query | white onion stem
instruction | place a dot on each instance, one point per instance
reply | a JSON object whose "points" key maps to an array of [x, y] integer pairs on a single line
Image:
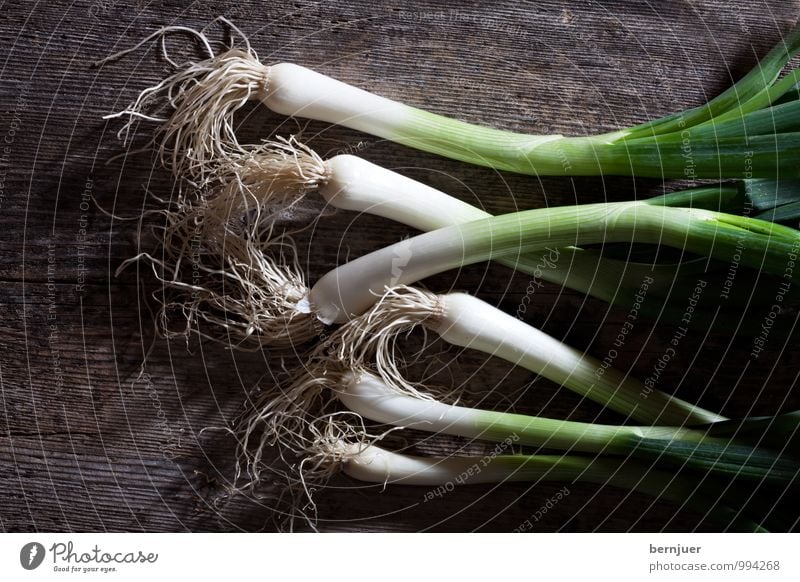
{"points": [[374, 464], [297, 91], [360, 186], [471, 323]]}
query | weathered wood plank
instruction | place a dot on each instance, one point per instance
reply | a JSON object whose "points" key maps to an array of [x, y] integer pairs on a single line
{"points": [[89, 444]]}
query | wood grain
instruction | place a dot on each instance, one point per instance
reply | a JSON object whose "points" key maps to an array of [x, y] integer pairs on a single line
{"points": [[89, 444]]}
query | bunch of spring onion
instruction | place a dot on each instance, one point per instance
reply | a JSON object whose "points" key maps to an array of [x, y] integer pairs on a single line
{"points": [[251, 295], [230, 237], [356, 368], [750, 130], [464, 321], [747, 131]]}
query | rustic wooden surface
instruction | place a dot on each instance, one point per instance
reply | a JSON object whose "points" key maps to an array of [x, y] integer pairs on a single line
{"points": [[86, 446]]}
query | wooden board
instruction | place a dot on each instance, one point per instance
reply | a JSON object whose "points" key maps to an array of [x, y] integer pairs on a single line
{"points": [[87, 444]]}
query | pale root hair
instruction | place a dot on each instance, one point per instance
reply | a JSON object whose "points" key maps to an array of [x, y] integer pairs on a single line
{"points": [[196, 105], [288, 416]]}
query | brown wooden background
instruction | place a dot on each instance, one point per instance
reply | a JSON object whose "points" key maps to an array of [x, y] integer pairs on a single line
{"points": [[99, 451]]}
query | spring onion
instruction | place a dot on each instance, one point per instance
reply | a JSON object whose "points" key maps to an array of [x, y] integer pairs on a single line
{"points": [[353, 287], [374, 464], [747, 131]]}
